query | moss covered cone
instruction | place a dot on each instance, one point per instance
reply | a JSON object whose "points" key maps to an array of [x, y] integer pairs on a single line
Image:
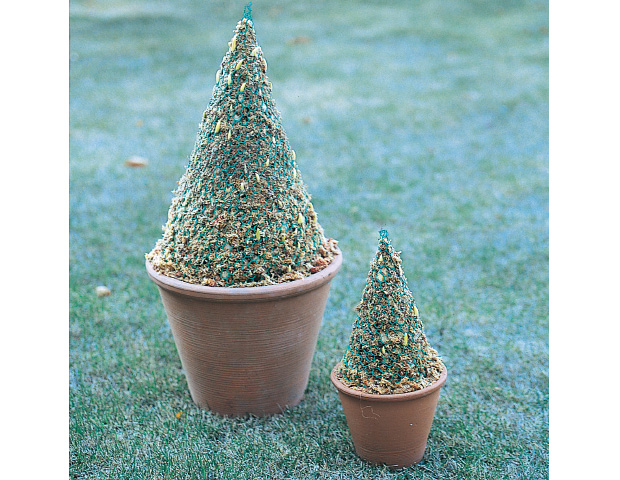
{"points": [[241, 215], [388, 351]]}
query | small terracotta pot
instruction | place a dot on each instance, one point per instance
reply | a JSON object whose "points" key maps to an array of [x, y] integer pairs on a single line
{"points": [[246, 350], [390, 429]]}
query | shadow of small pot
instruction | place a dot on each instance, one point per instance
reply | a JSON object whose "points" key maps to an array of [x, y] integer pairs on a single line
{"points": [[390, 429], [246, 350]]}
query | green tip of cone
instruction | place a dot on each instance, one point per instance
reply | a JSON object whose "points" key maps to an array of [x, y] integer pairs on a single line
{"points": [[247, 11]]}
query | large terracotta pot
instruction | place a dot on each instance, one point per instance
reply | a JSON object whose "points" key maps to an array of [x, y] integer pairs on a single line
{"points": [[390, 429], [246, 350]]}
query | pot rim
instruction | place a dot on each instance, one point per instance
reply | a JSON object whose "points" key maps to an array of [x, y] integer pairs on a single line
{"points": [[245, 294], [392, 397]]}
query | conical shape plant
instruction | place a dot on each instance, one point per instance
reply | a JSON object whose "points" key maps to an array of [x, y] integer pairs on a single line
{"points": [[388, 351], [241, 215]]}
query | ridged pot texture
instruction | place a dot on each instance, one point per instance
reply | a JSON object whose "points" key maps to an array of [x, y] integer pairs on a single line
{"points": [[246, 350], [390, 429]]}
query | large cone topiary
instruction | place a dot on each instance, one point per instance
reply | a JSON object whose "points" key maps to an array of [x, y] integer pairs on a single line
{"points": [[241, 215], [388, 351]]}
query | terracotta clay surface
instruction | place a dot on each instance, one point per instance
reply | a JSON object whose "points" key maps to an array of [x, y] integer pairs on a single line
{"points": [[246, 350], [390, 429]]}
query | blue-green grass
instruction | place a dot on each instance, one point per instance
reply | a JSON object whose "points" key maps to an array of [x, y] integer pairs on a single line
{"points": [[427, 118]]}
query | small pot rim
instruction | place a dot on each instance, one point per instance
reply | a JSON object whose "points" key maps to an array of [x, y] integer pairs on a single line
{"points": [[245, 294], [392, 397]]}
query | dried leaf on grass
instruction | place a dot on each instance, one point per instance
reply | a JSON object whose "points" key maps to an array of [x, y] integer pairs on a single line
{"points": [[136, 161], [298, 40], [102, 291]]}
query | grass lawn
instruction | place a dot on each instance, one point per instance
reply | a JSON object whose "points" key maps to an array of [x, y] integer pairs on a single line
{"points": [[427, 118]]}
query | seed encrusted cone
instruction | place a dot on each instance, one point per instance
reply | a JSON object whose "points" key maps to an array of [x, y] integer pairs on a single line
{"points": [[241, 215], [388, 351]]}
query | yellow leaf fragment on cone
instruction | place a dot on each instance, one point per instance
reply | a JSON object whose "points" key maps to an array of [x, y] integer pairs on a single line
{"points": [[218, 125], [233, 43], [229, 80], [242, 87], [103, 291], [136, 161], [257, 234], [255, 52], [415, 311], [300, 218], [294, 155], [217, 76], [238, 66], [406, 339]]}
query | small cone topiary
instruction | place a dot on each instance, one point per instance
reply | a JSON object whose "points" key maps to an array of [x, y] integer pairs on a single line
{"points": [[241, 215], [388, 351]]}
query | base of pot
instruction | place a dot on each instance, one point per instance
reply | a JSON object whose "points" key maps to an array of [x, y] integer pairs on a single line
{"points": [[390, 429]]}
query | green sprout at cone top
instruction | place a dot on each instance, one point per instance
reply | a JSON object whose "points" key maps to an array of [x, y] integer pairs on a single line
{"points": [[388, 351], [241, 215], [247, 11]]}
